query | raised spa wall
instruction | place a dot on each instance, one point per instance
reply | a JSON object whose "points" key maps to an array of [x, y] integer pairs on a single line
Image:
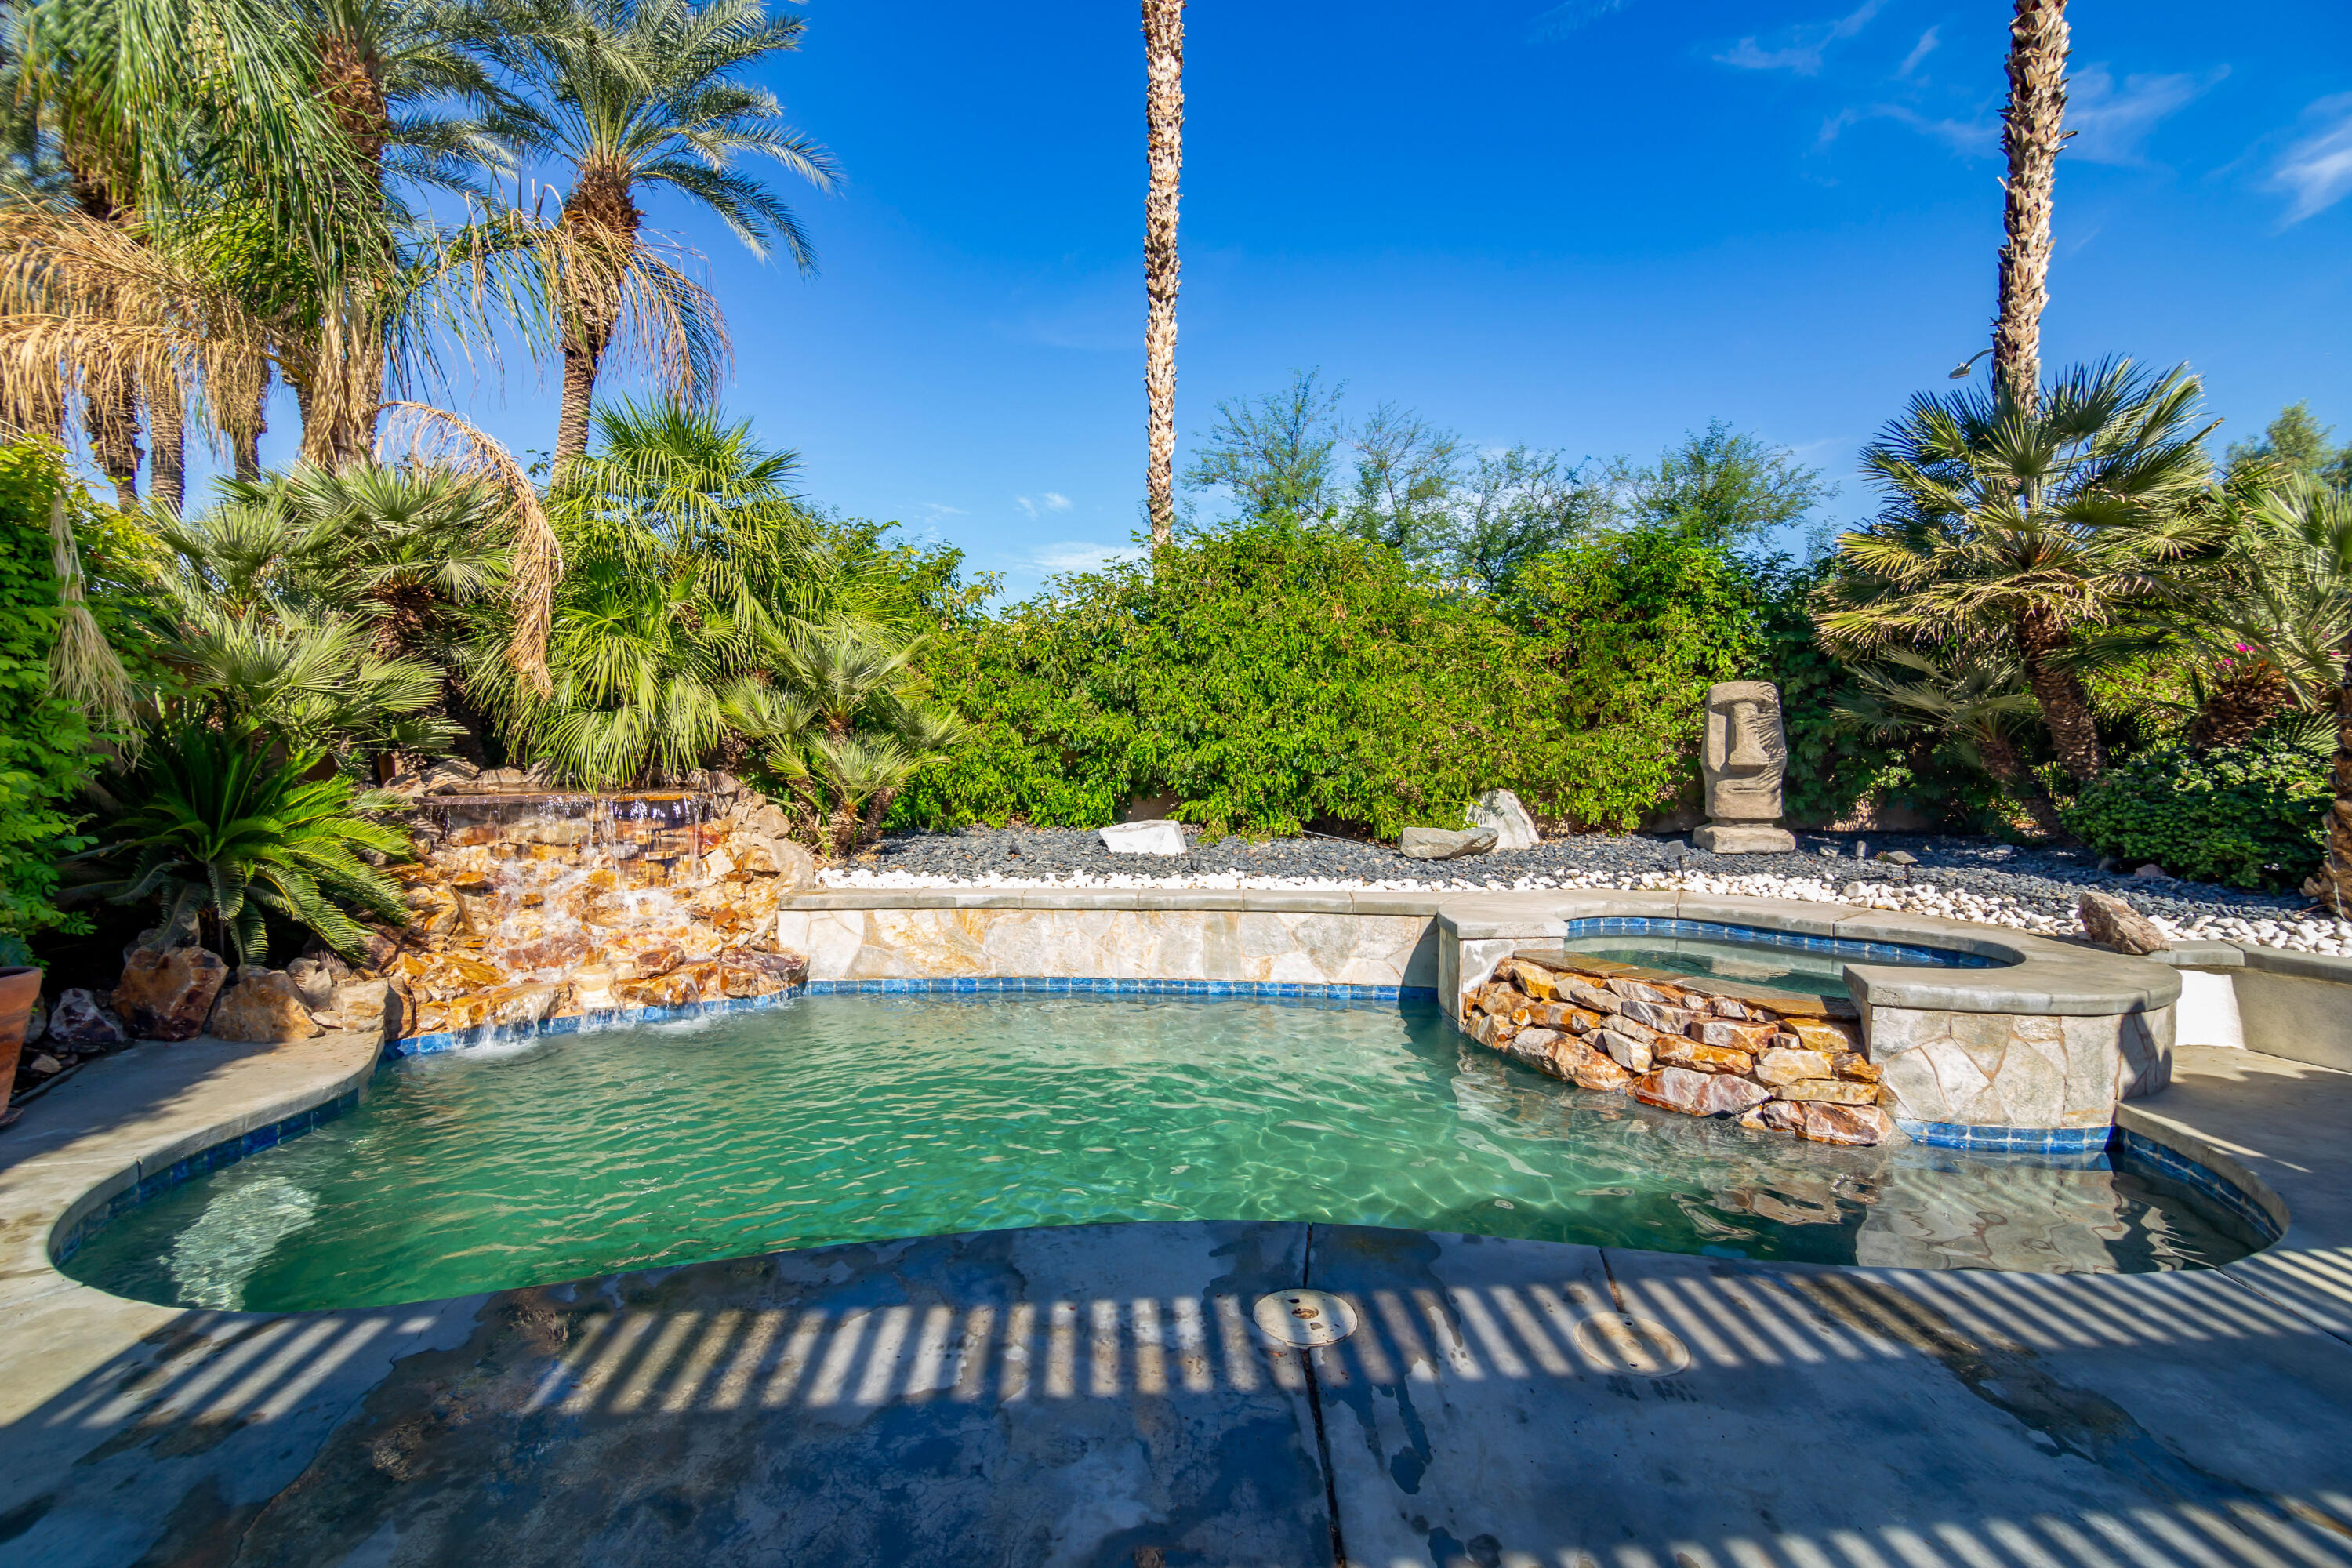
{"points": [[2032, 1054]]}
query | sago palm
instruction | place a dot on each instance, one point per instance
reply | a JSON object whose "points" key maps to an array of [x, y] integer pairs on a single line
{"points": [[221, 830], [2033, 522], [633, 96]]}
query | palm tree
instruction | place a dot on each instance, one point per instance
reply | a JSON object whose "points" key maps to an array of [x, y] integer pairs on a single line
{"points": [[2282, 605], [690, 567], [1163, 114], [632, 95], [2030, 137], [1972, 702], [2033, 522], [221, 830]]}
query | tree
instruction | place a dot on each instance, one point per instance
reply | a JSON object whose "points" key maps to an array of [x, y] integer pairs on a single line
{"points": [[1972, 702], [1723, 487], [2284, 604], [1164, 117], [2031, 137], [1273, 454], [1405, 473], [2032, 520], [2295, 444], [635, 95], [1512, 507]]}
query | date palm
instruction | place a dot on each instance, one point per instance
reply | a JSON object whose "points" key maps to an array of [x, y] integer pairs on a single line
{"points": [[1163, 114], [631, 96], [2031, 137], [2034, 522]]}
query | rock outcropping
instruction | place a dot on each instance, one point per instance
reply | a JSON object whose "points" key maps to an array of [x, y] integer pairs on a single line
{"points": [[1788, 1063]]}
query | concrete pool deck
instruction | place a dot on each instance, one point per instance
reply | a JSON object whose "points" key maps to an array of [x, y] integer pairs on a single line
{"points": [[1095, 1395]]}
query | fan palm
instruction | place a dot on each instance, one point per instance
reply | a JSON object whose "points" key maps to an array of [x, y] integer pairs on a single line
{"points": [[635, 95], [1974, 702], [222, 830], [854, 731], [691, 569], [2032, 520], [2282, 603]]}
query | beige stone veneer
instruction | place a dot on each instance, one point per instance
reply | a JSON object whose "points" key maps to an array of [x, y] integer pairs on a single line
{"points": [[2053, 1038]]}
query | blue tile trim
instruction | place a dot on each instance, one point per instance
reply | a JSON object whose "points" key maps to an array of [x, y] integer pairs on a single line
{"points": [[228, 1152], [2136, 1151], [2008, 1140], [1846, 948], [2127, 1149]]}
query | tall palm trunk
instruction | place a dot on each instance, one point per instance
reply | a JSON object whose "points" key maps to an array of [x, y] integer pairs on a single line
{"points": [[602, 210], [1163, 53], [2005, 766], [167, 473], [2030, 136], [109, 399], [2239, 704], [346, 386], [2065, 706]]}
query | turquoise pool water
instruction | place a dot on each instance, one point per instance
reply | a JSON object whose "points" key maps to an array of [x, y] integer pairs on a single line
{"points": [[852, 1118]]}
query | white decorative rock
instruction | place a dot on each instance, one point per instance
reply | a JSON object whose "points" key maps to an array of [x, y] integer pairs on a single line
{"points": [[1159, 838], [1500, 809]]}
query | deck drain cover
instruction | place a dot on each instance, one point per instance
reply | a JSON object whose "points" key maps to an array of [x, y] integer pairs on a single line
{"points": [[1618, 1344], [1304, 1318]]}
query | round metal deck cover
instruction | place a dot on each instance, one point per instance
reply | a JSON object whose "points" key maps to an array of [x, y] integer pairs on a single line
{"points": [[1619, 1343], [1304, 1318]]}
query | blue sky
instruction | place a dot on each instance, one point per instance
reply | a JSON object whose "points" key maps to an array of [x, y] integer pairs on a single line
{"points": [[1591, 226]]}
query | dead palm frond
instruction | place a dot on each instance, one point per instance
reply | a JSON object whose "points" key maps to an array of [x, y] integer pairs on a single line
{"points": [[439, 437]]}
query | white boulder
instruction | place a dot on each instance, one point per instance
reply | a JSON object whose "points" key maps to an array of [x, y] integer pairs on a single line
{"points": [[1500, 810], [1158, 838]]}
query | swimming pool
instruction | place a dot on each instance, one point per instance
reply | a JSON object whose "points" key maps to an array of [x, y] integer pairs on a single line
{"points": [[859, 1116]]}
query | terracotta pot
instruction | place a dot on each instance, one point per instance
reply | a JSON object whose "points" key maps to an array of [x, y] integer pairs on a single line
{"points": [[19, 989]]}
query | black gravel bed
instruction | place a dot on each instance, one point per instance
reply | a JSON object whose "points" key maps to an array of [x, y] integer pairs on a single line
{"points": [[2047, 879]]}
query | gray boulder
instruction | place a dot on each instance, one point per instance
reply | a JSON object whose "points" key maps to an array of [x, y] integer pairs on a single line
{"points": [[1440, 844]]}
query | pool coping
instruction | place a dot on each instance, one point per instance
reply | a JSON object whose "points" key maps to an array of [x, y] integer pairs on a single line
{"points": [[2036, 974]]}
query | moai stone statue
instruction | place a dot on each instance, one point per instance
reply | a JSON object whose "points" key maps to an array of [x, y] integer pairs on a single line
{"points": [[1746, 753]]}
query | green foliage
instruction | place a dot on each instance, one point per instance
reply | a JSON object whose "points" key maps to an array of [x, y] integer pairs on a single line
{"points": [[220, 827], [2293, 445], [2252, 815], [1723, 487], [1272, 675], [45, 741]]}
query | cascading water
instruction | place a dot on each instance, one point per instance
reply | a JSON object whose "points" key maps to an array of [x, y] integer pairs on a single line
{"points": [[529, 905]]}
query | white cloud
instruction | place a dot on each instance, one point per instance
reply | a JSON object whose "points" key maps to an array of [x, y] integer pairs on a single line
{"points": [[2316, 172], [1055, 502], [1802, 47], [1920, 51], [1044, 501], [1969, 138], [1561, 20], [2111, 123], [1080, 556]]}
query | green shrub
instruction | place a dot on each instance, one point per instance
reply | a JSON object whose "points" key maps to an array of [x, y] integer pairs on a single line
{"points": [[45, 742], [1269, 675], [2252, 815]]}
